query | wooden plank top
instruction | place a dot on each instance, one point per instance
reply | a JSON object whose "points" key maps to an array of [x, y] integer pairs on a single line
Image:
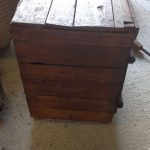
{"points": [[61, 13], [122, 14], [94, 13], [111, 15], [32, 11]]}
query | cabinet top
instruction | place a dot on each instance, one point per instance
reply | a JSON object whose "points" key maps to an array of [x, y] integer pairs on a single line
{"points": [[99, 15]]}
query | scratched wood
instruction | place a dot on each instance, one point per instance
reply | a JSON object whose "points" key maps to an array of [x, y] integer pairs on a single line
{"points": [[94, 13], [32, 11], [72, 89], [54, 102], [68, 73], [73, 66], [52, 36], [122, 14], [134, 18], [61, 13], [41, 112], [72, 54]]}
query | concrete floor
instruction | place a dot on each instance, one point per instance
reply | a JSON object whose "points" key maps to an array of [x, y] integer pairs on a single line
{"points": [[130, 129]]}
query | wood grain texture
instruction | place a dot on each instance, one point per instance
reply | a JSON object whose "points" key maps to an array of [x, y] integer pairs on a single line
{"points": [[94, 13], [61, 13], [32, 12], [133, 16], [71, 115], [105, 76], [50, 36], [65, 103], [122, 14], [104, 15], [72, 54], [71, 89]]}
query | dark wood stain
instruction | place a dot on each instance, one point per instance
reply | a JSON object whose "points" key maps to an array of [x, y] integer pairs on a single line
{"points": [[73, 56]]}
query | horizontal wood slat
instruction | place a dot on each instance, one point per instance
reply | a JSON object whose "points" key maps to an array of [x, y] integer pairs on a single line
{"points": [[52, 102], [50, 36], [72, 115], [64, 73], [71, 89], [72, 54]]}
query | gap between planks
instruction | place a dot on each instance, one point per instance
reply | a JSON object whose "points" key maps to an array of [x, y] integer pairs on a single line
{"points": [[75, 12]]}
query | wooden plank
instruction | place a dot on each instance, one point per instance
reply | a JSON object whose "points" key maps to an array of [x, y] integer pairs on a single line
{"points": [[122, 14], [71, 115], [94, 13], [70, 89], [64, 103], [61, 13], [32, 12], [64, 73], [72, 54], [68, 36], [134, 17]]}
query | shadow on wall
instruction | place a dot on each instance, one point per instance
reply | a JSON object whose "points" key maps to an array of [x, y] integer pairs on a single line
{"points": [[71, 135]]}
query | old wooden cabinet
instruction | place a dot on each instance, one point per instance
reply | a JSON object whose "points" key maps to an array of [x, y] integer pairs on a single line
{"points": [[73, 56]]}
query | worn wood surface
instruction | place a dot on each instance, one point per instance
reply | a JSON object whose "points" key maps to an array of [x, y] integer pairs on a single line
{"points": [[72, 89], [107, 15], [32, 11], [104, 76], [122, 14], [134, 18], [52, 36], [72, 54], [70, 114], [94, 13], [65, 103], [62, 13]]}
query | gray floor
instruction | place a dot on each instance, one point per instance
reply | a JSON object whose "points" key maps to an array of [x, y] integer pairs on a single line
{"points": [[130, 129]]}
